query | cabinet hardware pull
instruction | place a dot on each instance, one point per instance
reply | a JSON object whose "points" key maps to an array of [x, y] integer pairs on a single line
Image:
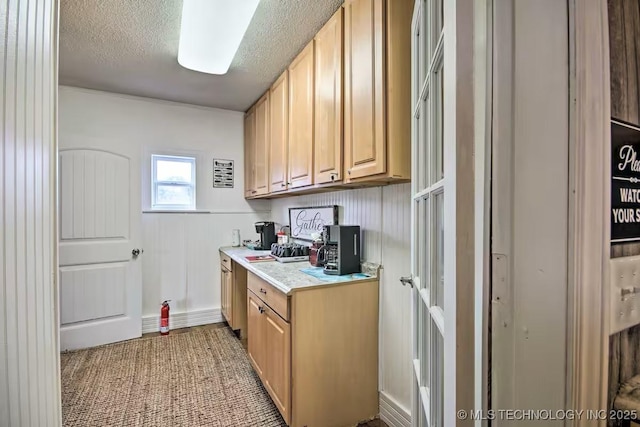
{"points": [[349, 171], [264, 291], [284, 185], [261, 310]]}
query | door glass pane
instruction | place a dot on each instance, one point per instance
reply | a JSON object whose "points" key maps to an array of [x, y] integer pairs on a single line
{"points": [[417, 238], [436, 20], [424, 345], [417, 326], [420, 50], [439, 124], [438, 250], [417, 55], [423, 143], [424, 243], [437, 377], [423, 417]]}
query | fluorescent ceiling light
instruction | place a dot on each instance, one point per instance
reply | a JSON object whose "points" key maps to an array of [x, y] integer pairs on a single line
{"points": [[211, 33]]}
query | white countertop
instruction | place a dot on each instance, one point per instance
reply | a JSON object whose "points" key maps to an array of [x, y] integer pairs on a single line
{"points": [[287, 277]]}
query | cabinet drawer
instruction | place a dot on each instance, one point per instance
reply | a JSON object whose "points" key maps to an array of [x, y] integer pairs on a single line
{"points": [[225, 260], [275, 299]]}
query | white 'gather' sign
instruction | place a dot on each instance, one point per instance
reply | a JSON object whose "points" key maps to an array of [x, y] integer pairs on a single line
{"points": [[305, 221]]}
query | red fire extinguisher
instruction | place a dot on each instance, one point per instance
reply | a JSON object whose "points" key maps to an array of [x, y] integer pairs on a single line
{"points": [[164, 318]]}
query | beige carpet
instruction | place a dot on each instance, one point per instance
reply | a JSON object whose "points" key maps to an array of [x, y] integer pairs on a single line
{"points": [[197, 378]]}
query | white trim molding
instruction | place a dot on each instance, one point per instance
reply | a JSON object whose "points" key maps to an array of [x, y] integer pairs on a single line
{"points": [[590, 200], [183, 320], [392, 413]]}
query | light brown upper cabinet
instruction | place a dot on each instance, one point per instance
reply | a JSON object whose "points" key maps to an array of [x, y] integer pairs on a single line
{"points": [[301, 81], [261, 140], [279, 98], [328, 101], [249, 151], [377, 126]]}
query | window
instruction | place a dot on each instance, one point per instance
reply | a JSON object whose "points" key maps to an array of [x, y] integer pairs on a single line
{"points": [[173, 182]]}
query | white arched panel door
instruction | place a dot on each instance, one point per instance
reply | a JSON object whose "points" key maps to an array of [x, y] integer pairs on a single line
{"points": [[100, 272]]}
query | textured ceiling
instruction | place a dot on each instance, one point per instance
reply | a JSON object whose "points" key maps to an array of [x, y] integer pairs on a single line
{"points": [[131, 47]]}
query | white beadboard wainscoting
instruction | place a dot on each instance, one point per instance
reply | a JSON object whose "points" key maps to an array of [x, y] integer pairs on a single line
{"points": [[29, 355], [384, 215], [181, 260]]}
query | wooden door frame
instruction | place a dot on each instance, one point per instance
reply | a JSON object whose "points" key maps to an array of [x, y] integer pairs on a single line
{"points": [[459, 204], [590, 164]]}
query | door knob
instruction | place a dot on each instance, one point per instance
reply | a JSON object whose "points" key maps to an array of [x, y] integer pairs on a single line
{"points": [[137, 252], [408, 280]]}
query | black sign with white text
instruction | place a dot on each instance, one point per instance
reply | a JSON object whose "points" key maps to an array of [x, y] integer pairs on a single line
{"points": [[625, 192]]}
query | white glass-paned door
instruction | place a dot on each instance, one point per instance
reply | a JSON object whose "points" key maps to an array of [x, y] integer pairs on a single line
{"points": [[428, 193]]}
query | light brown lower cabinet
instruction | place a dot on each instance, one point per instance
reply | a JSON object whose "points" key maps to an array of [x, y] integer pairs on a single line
{"points": [[269, 347], [316, 350], [233, 294]]}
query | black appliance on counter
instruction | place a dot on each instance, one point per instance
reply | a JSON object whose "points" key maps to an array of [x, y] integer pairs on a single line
{"points": [[341, 249], [290, 250], [267, 232]]}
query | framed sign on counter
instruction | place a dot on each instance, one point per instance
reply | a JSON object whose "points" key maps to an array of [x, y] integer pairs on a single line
{"points": [[305, 221], [625, 182]]}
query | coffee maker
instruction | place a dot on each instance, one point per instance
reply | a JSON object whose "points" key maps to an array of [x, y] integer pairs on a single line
{"points": [[341, 249], [267, 232]]}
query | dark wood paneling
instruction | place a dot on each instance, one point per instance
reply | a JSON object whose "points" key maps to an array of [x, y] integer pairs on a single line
{"points": [[625, 249], [624, 359], [624, 48], [624, 43]]}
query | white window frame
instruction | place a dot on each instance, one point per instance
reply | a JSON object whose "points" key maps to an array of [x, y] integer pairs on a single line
{"points": [[154, 183]]}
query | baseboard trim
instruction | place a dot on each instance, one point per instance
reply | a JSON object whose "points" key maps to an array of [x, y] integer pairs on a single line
{"points": [[183, 320], [392, 413]]}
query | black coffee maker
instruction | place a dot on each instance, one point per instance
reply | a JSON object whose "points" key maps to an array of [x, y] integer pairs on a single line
{"points": [[341, 250], [267, 232]]}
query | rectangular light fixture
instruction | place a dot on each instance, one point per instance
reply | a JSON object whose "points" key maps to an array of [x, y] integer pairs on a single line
{"points": [[211, 33]]}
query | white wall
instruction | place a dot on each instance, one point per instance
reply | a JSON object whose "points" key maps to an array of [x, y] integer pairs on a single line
{"points": [[530, 209], [180, 260], [384, 215], [29, 356]]}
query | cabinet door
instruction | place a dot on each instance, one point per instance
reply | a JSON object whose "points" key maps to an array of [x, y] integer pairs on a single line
{"points": [[249, 152], [328, 101], [279, 99], [229, 299], [278, 361], [225, 294], [255, 332], [301, 119], [261, 140], [365, 130]]}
